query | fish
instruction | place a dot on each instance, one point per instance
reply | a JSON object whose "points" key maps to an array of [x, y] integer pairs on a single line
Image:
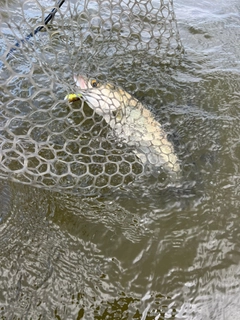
{"points": [[129, 120]]}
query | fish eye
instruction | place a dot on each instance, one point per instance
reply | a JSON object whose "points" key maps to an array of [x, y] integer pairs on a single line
{"points": [[94, 83]]}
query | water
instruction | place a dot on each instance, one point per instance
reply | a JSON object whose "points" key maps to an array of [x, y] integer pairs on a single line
{"points": [[153, 249]]}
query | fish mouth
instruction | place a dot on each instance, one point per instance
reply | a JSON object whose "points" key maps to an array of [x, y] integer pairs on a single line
{"points": [[80, 82]]}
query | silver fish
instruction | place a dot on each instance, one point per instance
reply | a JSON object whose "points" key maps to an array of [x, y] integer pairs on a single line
{"points": [[130, 121]]}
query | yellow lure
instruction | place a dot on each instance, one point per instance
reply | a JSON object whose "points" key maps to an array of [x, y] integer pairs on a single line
{"points": [[73, 97]]}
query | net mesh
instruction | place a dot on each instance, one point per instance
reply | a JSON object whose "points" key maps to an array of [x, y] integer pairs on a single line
{"points": [[104, 139]]}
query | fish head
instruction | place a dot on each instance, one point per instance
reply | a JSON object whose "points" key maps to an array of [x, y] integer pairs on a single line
{"points": [[104, 98]]}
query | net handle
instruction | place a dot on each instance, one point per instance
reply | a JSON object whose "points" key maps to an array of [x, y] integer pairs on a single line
{"points": [[49, 17]]}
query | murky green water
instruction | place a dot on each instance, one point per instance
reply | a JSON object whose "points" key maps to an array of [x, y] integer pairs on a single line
{"points": [[153, 249]]}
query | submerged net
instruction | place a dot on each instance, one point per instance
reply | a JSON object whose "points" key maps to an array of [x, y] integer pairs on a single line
{"points": [[47, 141]]}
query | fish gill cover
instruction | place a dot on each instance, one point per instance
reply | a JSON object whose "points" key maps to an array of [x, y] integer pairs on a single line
{"points": [[47, 141]]}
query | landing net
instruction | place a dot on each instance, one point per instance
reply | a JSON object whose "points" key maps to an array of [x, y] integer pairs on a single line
{"points": [[46, 140]]}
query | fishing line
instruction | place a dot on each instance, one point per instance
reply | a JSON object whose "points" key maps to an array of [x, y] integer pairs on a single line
{"points": [[30, 35]]}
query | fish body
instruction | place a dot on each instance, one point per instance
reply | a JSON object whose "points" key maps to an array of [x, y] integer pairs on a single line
{"points": [[130, 121]]}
